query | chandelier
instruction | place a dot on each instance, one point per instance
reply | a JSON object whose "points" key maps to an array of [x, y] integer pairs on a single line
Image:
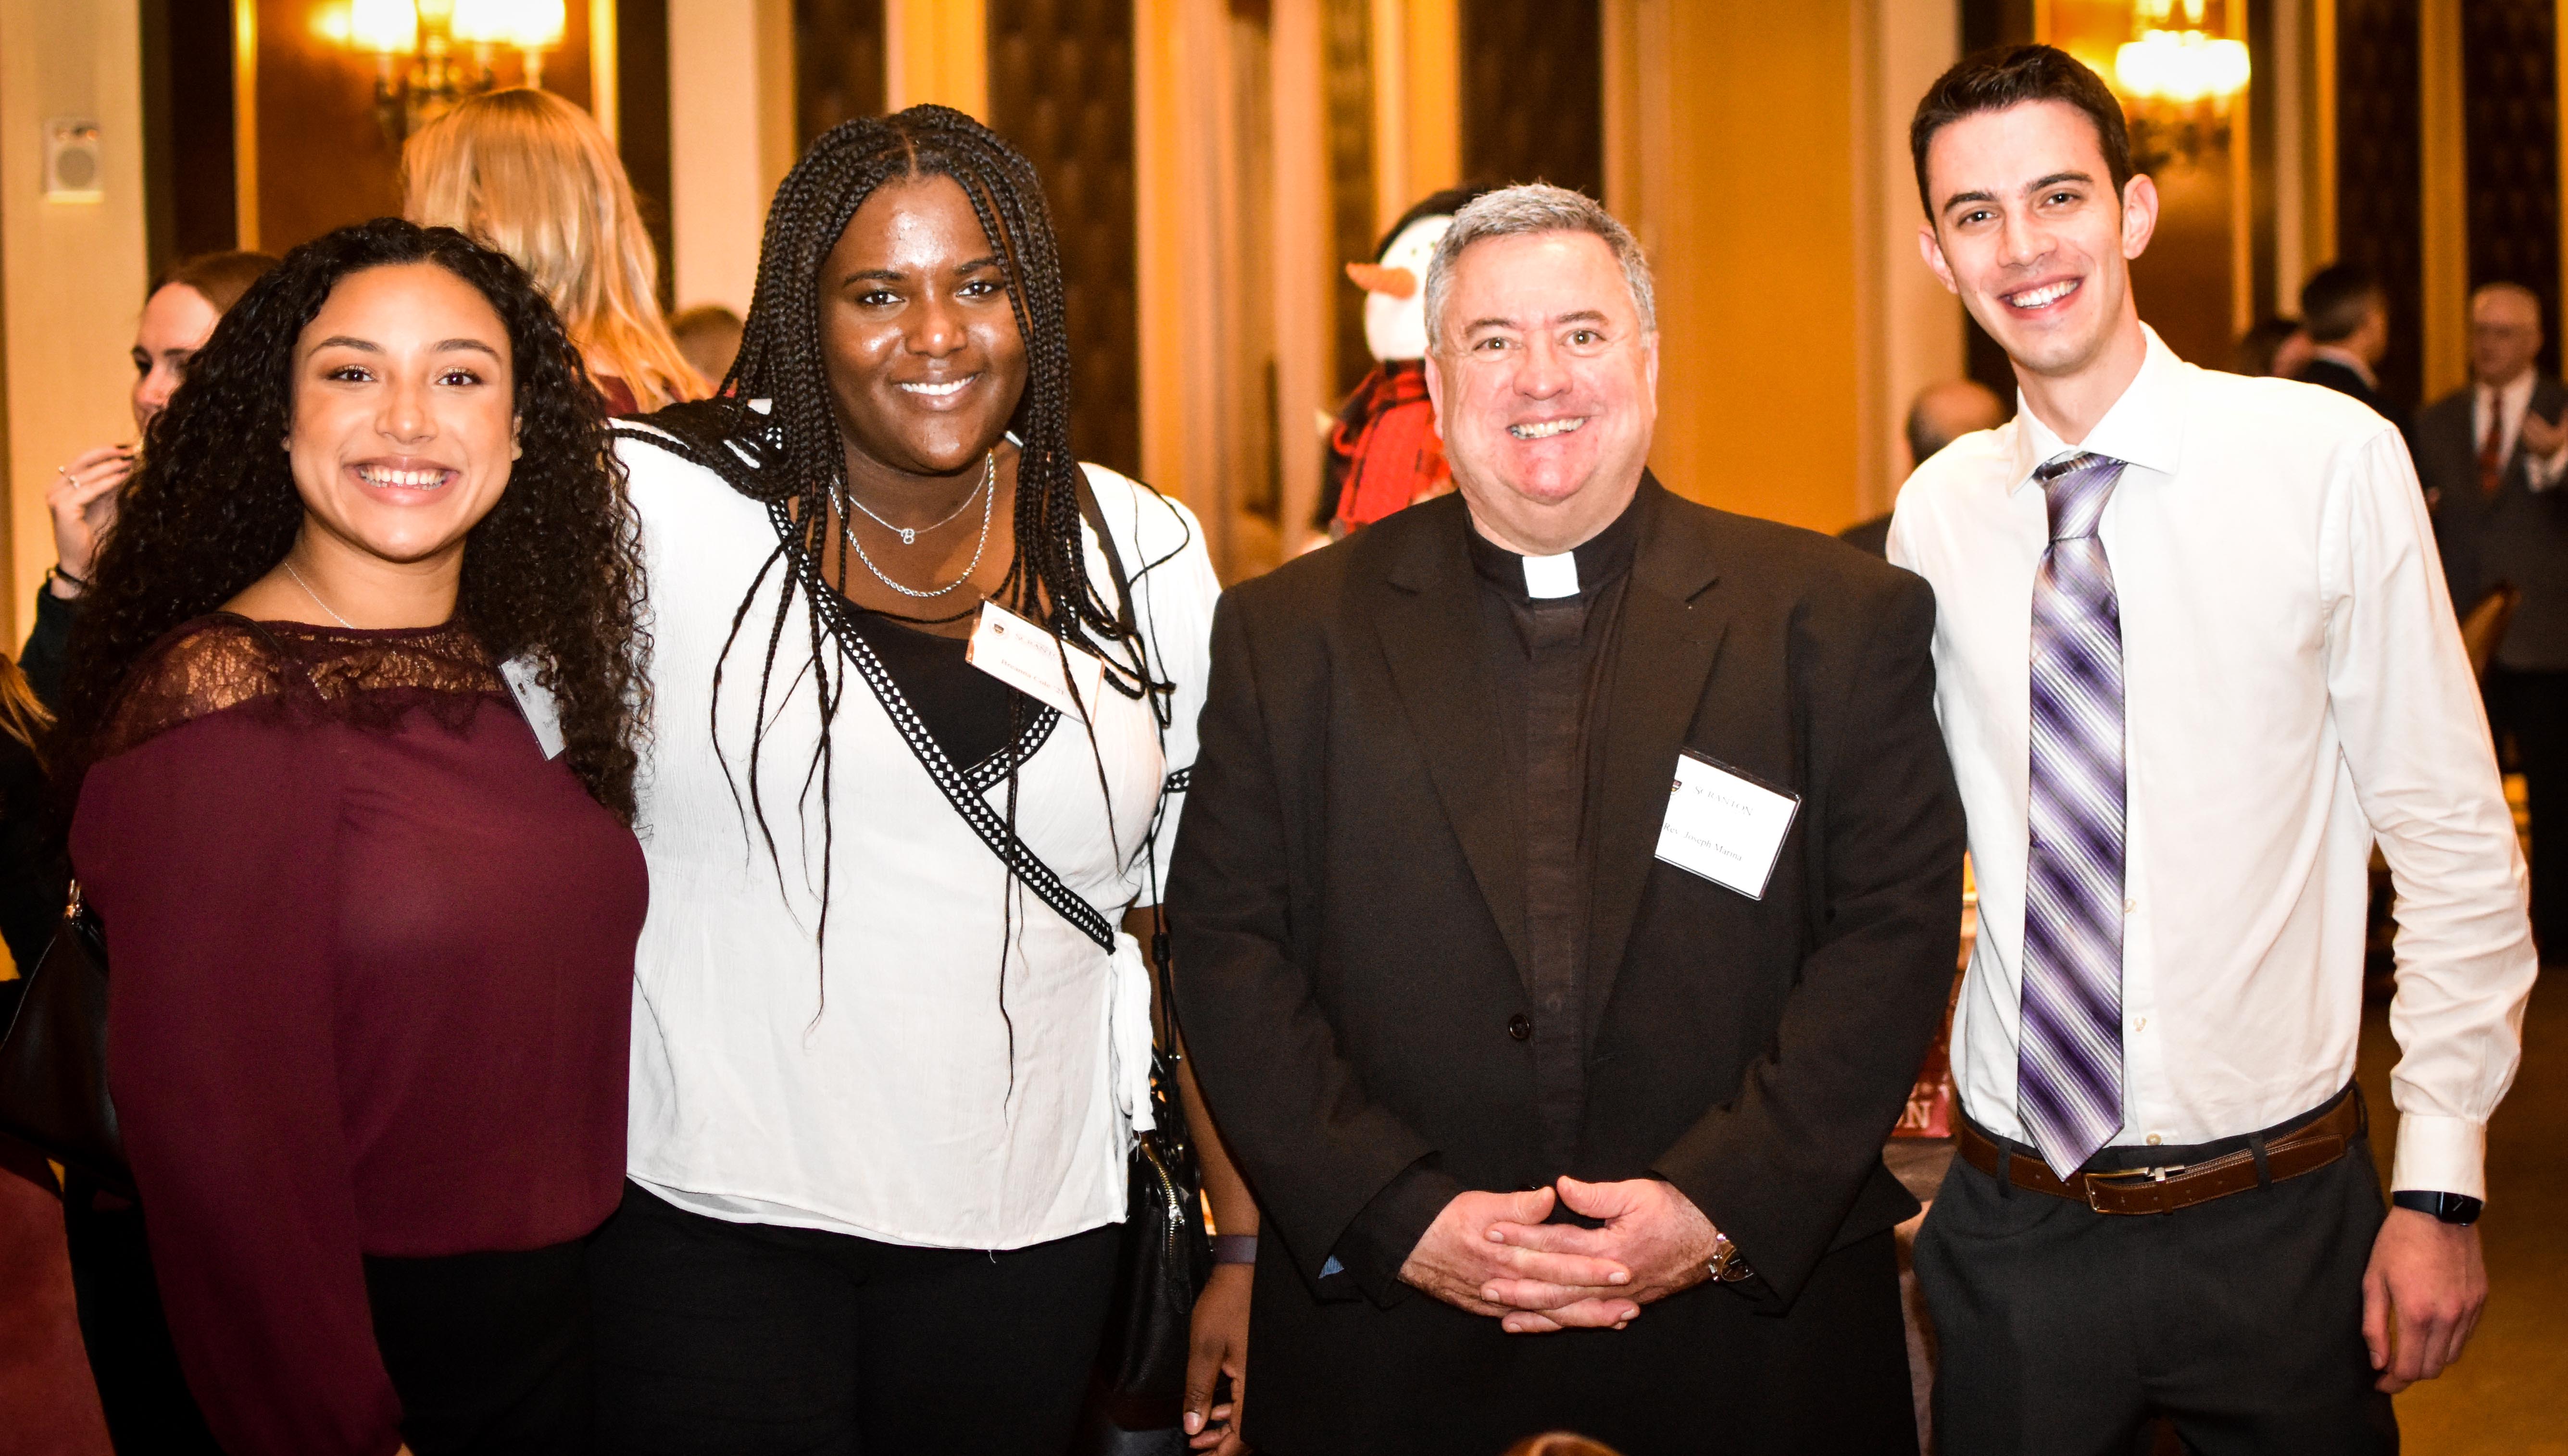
{"points": [[2178, 80], [431, 54]]}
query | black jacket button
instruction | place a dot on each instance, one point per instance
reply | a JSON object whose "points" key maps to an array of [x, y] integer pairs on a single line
{"points": [[1520, 1026]]}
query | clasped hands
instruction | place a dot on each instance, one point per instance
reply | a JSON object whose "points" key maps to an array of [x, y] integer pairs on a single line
{"points": [[1491, 1254]]}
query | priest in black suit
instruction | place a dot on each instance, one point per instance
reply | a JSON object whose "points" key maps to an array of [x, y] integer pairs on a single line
{"points": [[2491, 457], [1567, 891]]}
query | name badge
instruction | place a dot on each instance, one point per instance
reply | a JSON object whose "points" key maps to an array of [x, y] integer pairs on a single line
{"points": [[1724, 826], [1027, 657], [535, 702]]}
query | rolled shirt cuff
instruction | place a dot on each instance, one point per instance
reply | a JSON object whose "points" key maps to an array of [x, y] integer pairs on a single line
{"points": [[2440, 1155]]}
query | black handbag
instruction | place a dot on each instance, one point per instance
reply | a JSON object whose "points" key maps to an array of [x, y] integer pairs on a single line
{"points": [[1166, 1261], [1166, 1256], [53, 1059]]}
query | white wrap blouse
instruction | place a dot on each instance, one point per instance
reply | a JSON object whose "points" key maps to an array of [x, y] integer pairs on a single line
{"points": [[917, 1081]]}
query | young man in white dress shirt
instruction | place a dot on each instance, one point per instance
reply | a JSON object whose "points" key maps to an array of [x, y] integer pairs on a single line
{"points": [[2192, 655]]}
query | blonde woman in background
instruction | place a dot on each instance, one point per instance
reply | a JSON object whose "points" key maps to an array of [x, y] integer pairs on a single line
{"points": [[528, 174]]}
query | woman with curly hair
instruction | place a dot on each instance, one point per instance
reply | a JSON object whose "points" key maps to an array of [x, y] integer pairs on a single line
{"points": [[353, 704], [890, 1045]]}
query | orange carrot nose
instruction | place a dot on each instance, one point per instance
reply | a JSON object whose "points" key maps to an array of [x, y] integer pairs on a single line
{"points": [[1375, 278]]}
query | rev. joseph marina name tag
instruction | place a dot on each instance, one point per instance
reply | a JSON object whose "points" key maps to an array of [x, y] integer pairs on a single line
{"points": [[1725, 825]]}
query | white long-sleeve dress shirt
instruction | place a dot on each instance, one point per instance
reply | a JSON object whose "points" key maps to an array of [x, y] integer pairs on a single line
{"points": [[2294, 686]]}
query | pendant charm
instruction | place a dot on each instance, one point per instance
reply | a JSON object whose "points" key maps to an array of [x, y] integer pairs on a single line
{"points": [[908, 537]]}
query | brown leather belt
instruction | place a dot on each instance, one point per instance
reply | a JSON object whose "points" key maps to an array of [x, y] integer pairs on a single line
{"points": [[2304, 1149]]}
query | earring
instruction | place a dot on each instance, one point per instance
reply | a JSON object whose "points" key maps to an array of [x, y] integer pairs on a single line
{"points": [[516, 450]]}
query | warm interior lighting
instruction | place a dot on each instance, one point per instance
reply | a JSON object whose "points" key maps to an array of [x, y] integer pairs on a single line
{"points": [[539, 25], [2182, 66], [484, 23], [431, 54], [529, 25], [383, 27], [330, 23]]}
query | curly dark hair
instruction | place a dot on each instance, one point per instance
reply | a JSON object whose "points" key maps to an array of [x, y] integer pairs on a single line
{"points": [[553, 572]]}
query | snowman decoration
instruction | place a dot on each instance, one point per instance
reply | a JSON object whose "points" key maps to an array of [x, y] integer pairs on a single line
{"points": [[1384, 451]]}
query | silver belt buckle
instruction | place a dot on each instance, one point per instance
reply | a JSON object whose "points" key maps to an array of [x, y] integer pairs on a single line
{"points": [[2120, 1177]]}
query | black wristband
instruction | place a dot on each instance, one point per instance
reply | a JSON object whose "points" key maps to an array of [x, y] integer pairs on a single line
{"points": [[2451, 1208], [1234, 1247]]}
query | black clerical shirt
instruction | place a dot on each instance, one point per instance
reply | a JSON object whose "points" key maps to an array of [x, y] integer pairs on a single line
{"points": [[1546, 662]]}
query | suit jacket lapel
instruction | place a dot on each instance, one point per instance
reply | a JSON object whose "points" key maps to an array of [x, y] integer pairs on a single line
{"points": [[1430, 627], [1673, 624]]}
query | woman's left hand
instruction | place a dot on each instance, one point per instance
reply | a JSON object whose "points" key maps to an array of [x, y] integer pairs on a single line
{"points": [[1220, 1348]]}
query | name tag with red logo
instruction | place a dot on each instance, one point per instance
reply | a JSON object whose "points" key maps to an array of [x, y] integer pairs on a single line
{"points": [[1023, 656]]}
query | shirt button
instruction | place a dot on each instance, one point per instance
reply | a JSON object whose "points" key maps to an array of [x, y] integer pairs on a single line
{"points": [[2130, 907], [1520, 1026], [2154, 1139]]}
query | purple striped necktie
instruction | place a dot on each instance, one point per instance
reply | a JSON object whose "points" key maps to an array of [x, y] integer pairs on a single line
{"points": [[2069, 1068]]}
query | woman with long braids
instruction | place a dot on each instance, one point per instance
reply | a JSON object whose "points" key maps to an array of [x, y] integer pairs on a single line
{"points": [[351, 711], [926, 690]]}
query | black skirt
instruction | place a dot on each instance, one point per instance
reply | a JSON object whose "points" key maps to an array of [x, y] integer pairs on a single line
{"points": [[490, 1352]]}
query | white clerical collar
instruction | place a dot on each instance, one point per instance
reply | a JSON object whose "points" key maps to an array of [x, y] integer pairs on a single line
{"points": [[1551, 576]]}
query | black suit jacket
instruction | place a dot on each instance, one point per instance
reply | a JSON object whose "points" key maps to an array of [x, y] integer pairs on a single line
{"points": [[2519, 536], [2327, 373], [1347, 901]]}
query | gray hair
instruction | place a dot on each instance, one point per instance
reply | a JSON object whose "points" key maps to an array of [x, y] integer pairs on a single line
{"points": [[1519, 212]]}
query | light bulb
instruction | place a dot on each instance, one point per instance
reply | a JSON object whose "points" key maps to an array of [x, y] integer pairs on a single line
{"points": [[384, 27]]}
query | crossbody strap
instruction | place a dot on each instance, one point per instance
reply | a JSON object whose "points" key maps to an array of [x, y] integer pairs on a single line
{"points": [[975, 810]]}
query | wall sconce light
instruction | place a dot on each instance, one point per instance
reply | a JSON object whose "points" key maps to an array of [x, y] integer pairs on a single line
{"points": [[2180, 80], [431, 54]]}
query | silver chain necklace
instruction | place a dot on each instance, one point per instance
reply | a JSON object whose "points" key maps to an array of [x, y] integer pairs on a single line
{"points": [[909, 534], [989, 479], [288, 563]]}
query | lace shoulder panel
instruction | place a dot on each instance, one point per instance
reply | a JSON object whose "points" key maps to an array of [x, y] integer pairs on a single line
{"points": [[222, 662]]}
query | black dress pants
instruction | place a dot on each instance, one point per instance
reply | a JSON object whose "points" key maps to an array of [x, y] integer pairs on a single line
{"points": [[2062, 1331], [2534, 708], [717, 1337], [488, 1351]]}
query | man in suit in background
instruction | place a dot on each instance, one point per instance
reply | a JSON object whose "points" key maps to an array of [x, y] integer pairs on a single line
{"points": [[2346, 316], [1941, 414], [2491, 457], [1568, 889]]}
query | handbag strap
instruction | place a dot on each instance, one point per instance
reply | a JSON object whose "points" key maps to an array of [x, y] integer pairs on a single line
{"points": [[1164, 1042]]}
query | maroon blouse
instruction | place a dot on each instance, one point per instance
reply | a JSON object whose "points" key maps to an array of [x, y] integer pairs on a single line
{"points": [[371, 960]]}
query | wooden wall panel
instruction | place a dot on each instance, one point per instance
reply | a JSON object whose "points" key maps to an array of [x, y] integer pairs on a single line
{"points": [[1533, 93], [1346, 75], [838, 64], [2380, 219], [642, 123], [1060, 89], [187, 118], [2511, 89]]}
